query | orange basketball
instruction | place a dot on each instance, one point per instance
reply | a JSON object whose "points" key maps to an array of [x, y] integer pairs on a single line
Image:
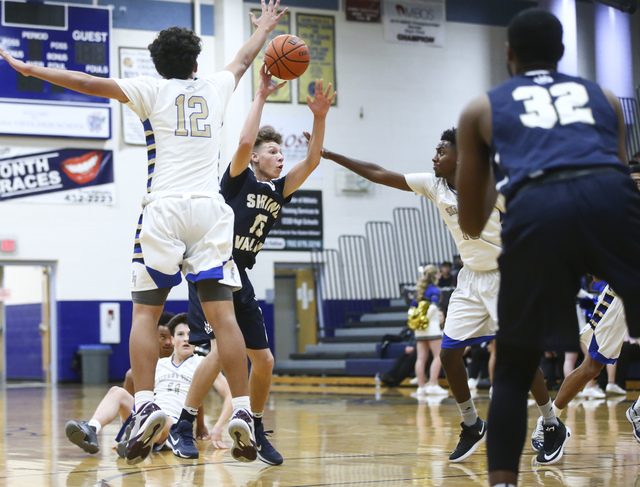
{"points": [[287, 57]]}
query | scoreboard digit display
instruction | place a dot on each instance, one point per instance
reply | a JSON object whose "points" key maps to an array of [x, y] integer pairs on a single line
{"points": [[61, 36]]}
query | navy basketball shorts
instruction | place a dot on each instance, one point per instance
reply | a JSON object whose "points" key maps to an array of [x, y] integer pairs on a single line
{"points": [[553, 234], [248, 315]]}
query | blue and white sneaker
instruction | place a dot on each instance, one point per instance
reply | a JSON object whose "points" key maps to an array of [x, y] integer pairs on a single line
{"points": [[181, 440], [537, 437], [145, 425], [241, 431], [266, 452], [634, 419]]}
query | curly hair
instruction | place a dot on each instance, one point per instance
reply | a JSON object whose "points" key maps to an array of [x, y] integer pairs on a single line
{"points": [[174, 52], [449, 135], [267, 135]]}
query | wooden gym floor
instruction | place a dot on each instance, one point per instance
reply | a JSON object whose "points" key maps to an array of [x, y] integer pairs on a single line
{"points": [[337, 433]]}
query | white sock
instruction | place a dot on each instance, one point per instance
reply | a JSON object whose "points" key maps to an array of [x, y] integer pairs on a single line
{"points": [[96, 424], [548, 416], [468, 411], [636, 406], [241, 402], [557, 411], [141, 398], [257, 415]]}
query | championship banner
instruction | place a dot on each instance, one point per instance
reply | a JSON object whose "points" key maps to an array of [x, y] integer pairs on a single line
{"points": [[57, 176], [318, 31], [300, 226], [134, 62], [283, 95], [417, 22]]}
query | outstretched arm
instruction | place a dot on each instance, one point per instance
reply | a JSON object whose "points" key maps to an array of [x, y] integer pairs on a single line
{"points": [[265, 24], [73, 80], [320, 107], [367, 170], [242, 157], [475, 182]]}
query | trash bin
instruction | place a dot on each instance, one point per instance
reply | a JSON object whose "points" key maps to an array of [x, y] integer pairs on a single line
{"points": [[95, 363]]}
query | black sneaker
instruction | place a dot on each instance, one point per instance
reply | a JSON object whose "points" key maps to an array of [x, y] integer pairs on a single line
{"points": [[181, 440], [241, 430], [147, 422], [266, 452], [555, 437], [470, 438], [83, 435]]}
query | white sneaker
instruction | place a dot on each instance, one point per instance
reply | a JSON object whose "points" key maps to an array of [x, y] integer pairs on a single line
{"points": [[634, 419], [435, 389], [594, 392], [615, 389], [413, 381], [473, 384], [421, 391]]}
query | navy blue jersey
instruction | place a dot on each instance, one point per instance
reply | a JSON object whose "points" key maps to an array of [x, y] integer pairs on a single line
{"points": [[547, 120], [256, 206]]}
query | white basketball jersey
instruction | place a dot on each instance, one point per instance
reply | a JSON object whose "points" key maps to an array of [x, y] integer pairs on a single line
{"points": [[481, 253], [173, 382], [182, 121]]}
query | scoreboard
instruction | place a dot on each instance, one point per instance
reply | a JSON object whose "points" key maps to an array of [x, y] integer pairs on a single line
{"points": [[61, 36]]}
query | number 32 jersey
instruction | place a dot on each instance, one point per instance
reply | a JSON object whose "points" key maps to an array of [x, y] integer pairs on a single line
{"points": [[546, 120], [182, 120], [256, 206]]}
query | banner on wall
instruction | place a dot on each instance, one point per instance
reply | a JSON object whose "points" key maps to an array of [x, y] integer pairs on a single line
{"points": [[57, 176], [134, 62], [318, 31], [300, 224], [283, 95], [363, 10], [417, 22]]}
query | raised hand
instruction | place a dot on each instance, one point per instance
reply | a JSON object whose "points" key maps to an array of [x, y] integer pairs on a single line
{"points": [[270, 16], [321, 100], [265, 85]]}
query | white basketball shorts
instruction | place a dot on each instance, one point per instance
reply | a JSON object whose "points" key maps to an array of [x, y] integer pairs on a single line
{"points": [[605, 333], [190, 234], [472, 316]]}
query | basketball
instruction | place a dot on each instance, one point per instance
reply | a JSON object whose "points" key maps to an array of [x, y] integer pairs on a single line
{"points": [[287, 57]]}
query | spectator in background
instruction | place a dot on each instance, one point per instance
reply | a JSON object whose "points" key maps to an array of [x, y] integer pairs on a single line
{"points": [[446, 276]]}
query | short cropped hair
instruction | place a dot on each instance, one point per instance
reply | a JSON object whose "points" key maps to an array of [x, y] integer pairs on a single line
{"points": [[449, 135], [535, 36], [179, 319], [267, 135], [175, 52], [165, 317]]}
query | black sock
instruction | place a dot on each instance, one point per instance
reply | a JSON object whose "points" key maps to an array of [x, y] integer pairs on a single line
{"points": [[257, 422], [187, 415]]}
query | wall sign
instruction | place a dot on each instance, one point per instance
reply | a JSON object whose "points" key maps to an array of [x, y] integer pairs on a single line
{"points": [[58, 36], [300, 224]]}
